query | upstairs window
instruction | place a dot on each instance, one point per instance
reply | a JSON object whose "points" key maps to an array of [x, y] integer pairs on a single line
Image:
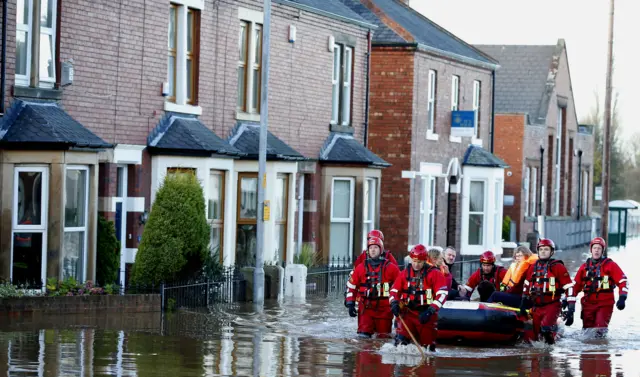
{"points": [[342, 77], [183, 52], [47, 40]]}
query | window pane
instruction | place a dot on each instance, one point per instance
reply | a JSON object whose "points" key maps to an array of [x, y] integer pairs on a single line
{"points": [[242, 43], [476, 227], [341, 199], [46, 13], [256, 89], [433, 195], [423, 199], [336, 85], [72, 261], [172, 28], [27, 258], [339, 240], [46, 56], [246, 244], [430, 115], [171, 79], [346, 94], [476, 199], [432, 227], [367, 199], [75, 206], [248, 198], [189, 79], [215, 238], [241, 87], [280, 204], [21, 53], [120, 183], [29, 198], [215, 197], [189, 30], [280, 242], [23, 12], [258, 46]]}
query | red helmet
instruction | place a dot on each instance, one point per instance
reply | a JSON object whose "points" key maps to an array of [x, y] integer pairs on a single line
{"points": [[375, 241], [488, 257], [376, 233], [598, 241], [546, 242], [419, 252]]}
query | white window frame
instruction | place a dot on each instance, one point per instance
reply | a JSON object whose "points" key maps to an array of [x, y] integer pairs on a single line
{"points": [[534, 191], [455, 92], [343, 220], [497, 219], [85, 228], [342, 77], [181, 105], [369, 201], [585, 192], [44, 211], [255, 19], [558, 150], [45, 81], [427, 211], [485, 184], [525, 189], [431, 104], [476, 108]]}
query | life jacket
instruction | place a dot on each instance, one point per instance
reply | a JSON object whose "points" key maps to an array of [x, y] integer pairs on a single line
{"points": [[374, 288], [516, 272], [416, 294], [543, 282], [593, 279], [492, 277]]}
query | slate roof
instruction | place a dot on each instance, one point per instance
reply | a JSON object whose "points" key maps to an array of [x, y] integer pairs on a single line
{"points": [[423, 31], [45, 123], [331, 8], [246, 138], [186, 135], [522, 80], [343, 148], [478, 156]]}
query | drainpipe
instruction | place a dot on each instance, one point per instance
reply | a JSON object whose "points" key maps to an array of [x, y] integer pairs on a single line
{"points": [[493, 105], [300, 211], [451, 233], [579, 181], [366, 103], [541, 181], [4, 56]]}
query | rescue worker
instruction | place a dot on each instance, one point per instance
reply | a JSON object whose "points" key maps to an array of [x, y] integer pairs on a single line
{"points": [[545, 281], [597, 278], [386, 254], [417, 295], [370, 285], [511, 287], [487, 278]]}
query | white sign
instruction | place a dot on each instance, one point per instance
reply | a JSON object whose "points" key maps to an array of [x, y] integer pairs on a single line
{"points": [[598, 193]]}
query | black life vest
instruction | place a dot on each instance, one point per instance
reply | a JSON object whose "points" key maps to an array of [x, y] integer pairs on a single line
{"points": [[492, 277], [374, 288], [594, 281], [416, 294], [544, 283]]}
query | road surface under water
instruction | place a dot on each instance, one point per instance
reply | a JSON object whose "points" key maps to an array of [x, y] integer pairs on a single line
{"points": [[310, 338]]}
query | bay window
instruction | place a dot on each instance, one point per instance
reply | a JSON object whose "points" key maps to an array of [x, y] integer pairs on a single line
{"points": [[76, 206], [427, 211], [369, 215], [281, 209], [215, 211], [477, 212], [341, 232], [247, 215]]}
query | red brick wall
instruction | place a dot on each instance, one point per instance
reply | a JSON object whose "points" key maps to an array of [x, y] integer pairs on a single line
{"points": [[390, 132], [508, 145]]}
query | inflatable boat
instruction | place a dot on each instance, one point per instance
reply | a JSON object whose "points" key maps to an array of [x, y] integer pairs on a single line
{"points": [[479, 322]]}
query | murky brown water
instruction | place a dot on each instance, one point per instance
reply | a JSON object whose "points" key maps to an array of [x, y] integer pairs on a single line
{"points": [[312, 338]]}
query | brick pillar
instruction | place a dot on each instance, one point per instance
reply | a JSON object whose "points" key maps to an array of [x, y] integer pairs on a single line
{"points": [[550, 173], [570, 180], [107, 187], [453, 224]]}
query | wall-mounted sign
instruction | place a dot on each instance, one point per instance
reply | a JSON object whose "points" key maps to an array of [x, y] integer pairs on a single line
{"points": [[462, 123]]}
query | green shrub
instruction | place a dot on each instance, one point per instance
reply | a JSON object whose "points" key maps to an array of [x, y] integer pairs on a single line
{"points": [[213, 268], [506, 228], [108, 260], [308, 257], [176, 237]]}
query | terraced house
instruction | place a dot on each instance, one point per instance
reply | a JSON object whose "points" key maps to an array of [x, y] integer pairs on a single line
{"points": [[431, 118], [101, 100]]}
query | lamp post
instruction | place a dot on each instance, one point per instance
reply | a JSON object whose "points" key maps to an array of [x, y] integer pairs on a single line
{"points": [[541, 180], [580, 198]]}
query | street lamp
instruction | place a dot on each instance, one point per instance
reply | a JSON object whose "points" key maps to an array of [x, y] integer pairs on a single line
{"points": [[541, 180], [578, 152]]}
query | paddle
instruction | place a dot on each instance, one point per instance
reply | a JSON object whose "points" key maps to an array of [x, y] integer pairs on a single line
{"points": [[413, 338]]}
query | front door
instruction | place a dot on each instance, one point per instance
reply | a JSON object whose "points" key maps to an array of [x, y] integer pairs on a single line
{"points": [[29, 226]]}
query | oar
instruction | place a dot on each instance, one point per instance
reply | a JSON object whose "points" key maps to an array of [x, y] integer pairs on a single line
{"points": [[413, 338]]}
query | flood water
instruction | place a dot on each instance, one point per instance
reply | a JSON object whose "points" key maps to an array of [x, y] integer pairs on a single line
{"points": [[310, 338]]}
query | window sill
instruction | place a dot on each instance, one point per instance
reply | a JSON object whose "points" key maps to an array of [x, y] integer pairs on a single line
{"points": [[183, 109], [432, 136], [39, 93], [477, 142], [248, 117], [455, 139], [340, 128]]}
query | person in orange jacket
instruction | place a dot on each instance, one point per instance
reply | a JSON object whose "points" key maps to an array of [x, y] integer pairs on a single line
{"points": [[510, 293], [597, 278], [487, 278], [544, 284], [417, 296], [370, 285]]}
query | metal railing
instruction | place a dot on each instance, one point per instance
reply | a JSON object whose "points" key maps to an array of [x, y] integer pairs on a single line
{"points": [[230, 286], [330, 279], [567, 233]]}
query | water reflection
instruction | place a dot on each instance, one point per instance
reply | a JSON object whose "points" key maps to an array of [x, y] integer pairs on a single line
{"points": [[310, 338]]}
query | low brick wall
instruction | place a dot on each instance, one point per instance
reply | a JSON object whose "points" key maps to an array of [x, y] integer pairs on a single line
{"points": [[82, 304]]}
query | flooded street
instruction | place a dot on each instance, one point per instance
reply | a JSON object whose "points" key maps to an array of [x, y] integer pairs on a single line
{"points": [[312, 338]]}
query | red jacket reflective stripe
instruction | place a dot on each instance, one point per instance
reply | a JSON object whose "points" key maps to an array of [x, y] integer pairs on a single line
{"points": [[358, 284], [433, 282], [608, 268], [548, 287]]}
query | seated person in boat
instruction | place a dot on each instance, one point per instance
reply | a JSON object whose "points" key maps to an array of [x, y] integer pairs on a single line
{"points": [[416, 297], [370, 285], [511, 287], [449, 260], [487, 278], [545, 281], [435, 259]]}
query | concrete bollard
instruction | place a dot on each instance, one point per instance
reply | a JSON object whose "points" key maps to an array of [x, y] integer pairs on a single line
{"points": [[295, 281]]}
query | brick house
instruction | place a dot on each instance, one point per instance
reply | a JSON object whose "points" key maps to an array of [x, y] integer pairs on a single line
{"points": [[421, 76], [125, 96], [537, 134]]}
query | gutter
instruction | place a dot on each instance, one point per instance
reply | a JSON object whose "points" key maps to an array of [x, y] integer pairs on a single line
{"points": [[460, 58], [366, 104], [325, 13], [493, 107], [4, 57]]}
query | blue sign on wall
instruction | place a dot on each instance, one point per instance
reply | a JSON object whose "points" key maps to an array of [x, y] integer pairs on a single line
{"points": [[462, 123]]}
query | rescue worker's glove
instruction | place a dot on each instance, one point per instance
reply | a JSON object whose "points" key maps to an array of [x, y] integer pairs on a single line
{"points": [[526, 302], [395, 308], [620, 304], [426, 315], [568, 319], [565, 303], [352, 309]]}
